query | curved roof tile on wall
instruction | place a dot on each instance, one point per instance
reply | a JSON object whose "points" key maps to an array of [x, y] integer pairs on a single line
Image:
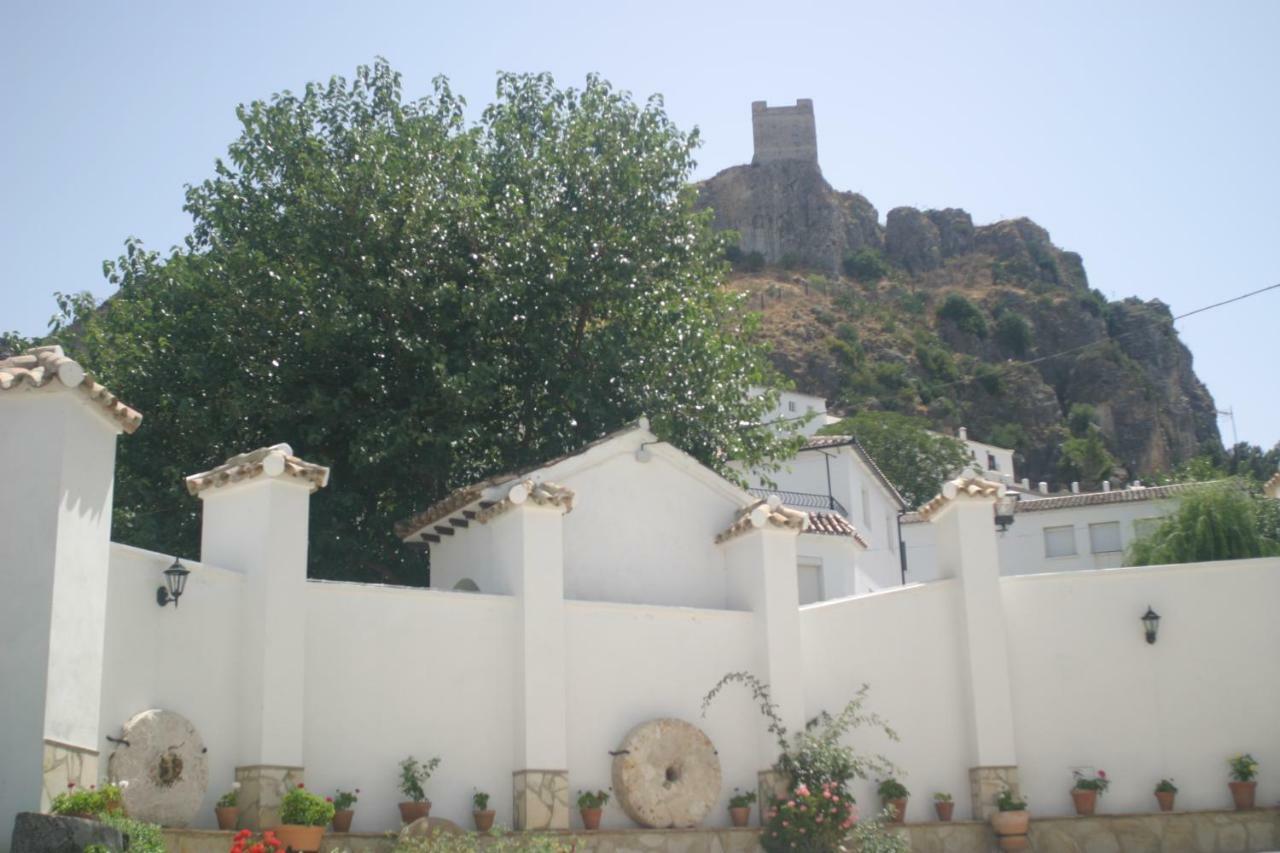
{"points": [[38, 367]]}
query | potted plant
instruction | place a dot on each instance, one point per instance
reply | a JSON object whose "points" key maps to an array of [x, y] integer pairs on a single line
{"points": [[481, 812], [1244, 771], [89, 803], [943, 805], [893, 795], [1011, 817], [413, 774], [740, 807], [245, 840], [1165, 792], [1086, 791], [303, 817], [227, 810], [342, 811], [591, 806]]}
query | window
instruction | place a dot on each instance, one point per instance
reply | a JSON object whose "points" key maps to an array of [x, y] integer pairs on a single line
{"points": [[1060, 541], [1104, 538], [1144, 527], [791, 405], [992, 464], [866, 509]]}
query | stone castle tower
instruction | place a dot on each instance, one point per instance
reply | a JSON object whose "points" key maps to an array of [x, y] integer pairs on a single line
{"points": [[784, 133]]}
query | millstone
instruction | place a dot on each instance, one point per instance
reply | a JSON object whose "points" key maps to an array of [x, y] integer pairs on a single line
{"points": [[666, 774], [165, 765]]}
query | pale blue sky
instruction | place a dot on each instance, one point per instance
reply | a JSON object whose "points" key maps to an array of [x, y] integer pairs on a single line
{"points": [[1144, 136]]}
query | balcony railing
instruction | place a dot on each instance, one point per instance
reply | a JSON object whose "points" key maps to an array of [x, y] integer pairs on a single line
{"points": [[803, 500]]}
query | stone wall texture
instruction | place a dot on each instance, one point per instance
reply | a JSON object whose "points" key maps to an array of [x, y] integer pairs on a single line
{"points": [[541, 799], [262, 790], [784, 133]]}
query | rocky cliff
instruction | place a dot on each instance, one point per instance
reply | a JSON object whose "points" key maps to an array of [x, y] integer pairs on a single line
{"points": [[932, 315]]}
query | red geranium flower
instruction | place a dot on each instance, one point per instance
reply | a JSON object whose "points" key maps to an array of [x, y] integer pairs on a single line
{"points": [[300, 785]]}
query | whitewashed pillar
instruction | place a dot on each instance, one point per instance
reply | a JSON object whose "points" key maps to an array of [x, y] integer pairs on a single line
{"points": [[528, 547], [59, 428], [964, 520], [760, 559], [255, 521]]}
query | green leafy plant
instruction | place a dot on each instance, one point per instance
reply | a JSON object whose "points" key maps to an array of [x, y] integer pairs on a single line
{"points": [[592, 799], [892, 789], [814, 819], [480, 801], [230, 798], [942, 797], [1213, 522], [1098, 782], [873, 836], [245, 840], [300, 807], [414, 774], [1244, 767], [1166, 786], [742, 800], [143, 837], [91, 801], [343, 800], [1013, 332], [1007, 801], [866, 265], [495, 841], [966, 316], [913, 458]]}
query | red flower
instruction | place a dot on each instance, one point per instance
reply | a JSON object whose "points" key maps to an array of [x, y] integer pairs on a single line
{"points": [[238, 847], [258, 848], [328, 799], [1102, 774], [243, 834], [70, 785], [300, 785]]}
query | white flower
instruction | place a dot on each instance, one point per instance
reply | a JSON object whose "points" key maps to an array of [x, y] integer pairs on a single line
{"points": [[124, 784], [235, 786]]}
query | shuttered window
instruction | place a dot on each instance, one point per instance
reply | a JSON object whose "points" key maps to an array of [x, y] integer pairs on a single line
{"points": [[1059, 541], [1104, 538]]}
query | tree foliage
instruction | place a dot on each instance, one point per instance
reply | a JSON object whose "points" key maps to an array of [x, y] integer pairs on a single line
{"points": [[914, 459], [966, 316], [420, 302], [1216, 522]]}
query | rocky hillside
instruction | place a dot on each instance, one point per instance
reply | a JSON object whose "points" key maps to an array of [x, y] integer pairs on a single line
{"points": [[932, 315]]}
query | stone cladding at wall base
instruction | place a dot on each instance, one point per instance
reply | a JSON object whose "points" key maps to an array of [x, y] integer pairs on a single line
{"points": [[541, 799], [262, 790], [64, 763], [985, 785]]}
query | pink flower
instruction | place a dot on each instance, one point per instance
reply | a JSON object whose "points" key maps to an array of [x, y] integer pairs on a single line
{"points": [[846, 824], [785, 824], [826, 793], [328, 799], [791, 804], [802, 791], [1102, 774]]}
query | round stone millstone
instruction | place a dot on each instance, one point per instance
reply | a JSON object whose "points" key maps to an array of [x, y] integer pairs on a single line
{"points": [[165, 766], [666, 774]]}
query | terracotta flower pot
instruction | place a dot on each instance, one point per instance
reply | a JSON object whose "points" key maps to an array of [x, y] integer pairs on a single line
{"points": [[944, 808], [1243, 794], [305, 839], [228, 816], [483, 819], [409, 812], [899, 807], [1013, 842], [1165, 799], [1086, 801], [740, 815], [342, 820], [1011, 823], [591, 818]]}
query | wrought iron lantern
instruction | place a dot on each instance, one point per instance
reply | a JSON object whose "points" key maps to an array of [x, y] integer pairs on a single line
{"points": [[1151, 623], [175, 580], [1005, 505]]}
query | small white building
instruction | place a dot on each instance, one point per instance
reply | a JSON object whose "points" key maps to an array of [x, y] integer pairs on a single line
{"points": [[807, 410], [1060, 533], [988, 460]]}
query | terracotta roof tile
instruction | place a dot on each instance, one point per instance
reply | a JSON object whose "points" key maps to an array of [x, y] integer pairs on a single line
{"points": [[1119, 496], [39, 366], [758, 514], [275, 461], [1272, 488], [960, 487], [834, 524]]}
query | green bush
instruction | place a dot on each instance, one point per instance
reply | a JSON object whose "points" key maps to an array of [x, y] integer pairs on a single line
{"points": [[300, 807], [753, 262], [989, 380], [1013, 332], [866, 265], [141, 837], [1217, 522], [964, 315]]}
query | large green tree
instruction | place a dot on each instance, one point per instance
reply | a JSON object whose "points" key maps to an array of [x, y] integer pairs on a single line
{"points": [[420, 301], [1223, 521], [915, 459]]}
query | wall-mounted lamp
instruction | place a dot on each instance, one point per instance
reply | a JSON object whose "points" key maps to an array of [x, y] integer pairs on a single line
{"points": [[1004, 511], [1151, 623], [175, 579]]}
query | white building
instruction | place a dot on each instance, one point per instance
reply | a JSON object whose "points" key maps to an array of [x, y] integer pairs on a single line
{"points": [[988, 460], [807, 410], [615, 587], [1060, 533]]}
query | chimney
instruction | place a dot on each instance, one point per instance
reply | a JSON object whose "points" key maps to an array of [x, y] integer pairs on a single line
{"points": [[962, 434], [1026, 484], [1106, 485], [1043, 488], [1075, 488]]}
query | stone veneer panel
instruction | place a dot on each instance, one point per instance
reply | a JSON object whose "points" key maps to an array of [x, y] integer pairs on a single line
{"points": [[262, 790], [64, 763], [541, 799], [985, 784]]}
